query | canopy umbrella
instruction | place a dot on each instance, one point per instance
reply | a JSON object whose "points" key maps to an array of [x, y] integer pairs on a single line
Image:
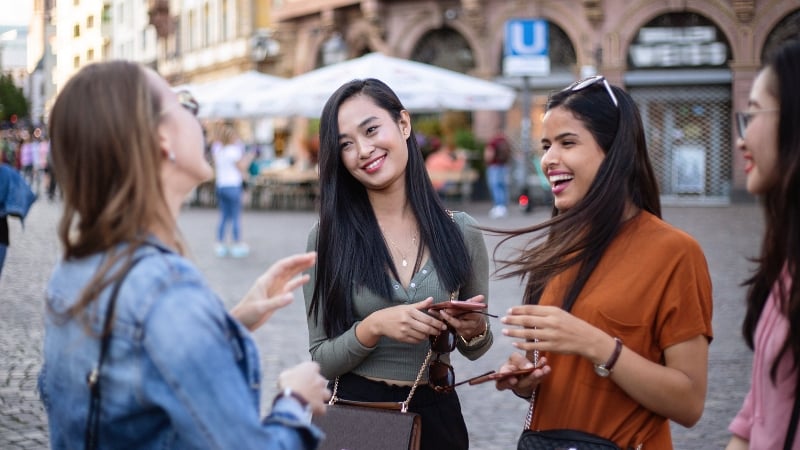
{"points": [[224, 98], [420, 87]]}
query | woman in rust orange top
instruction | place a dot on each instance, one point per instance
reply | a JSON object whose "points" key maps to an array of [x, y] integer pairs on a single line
{"points": [[617, 306]]}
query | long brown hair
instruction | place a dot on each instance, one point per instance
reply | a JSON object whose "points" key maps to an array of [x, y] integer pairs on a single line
{"points": [[581, 235], [106, 158]]}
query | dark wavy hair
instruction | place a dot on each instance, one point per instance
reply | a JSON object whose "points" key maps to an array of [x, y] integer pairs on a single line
{"points": [[781, 245], [580, 235], [351, 251]]}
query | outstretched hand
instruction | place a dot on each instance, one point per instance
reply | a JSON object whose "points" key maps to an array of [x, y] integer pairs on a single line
{"points": [[273, 290]]}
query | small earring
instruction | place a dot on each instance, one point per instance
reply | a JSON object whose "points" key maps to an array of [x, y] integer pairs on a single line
{"points": [[171, 157]]}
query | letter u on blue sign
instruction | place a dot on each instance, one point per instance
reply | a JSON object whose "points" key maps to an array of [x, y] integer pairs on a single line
{"points": [[526, 37]]}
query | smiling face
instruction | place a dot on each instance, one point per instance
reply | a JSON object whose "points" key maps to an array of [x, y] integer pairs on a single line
{"points": [[760, 142], [571, 159], [372, 144]]}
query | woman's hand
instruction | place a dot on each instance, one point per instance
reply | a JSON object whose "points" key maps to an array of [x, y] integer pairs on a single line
{"points": [[522, 385], [305, 380], [467, 324], [273, 290], [405, 323], [550, 328]]}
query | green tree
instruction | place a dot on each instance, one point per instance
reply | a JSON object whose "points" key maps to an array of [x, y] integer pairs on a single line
{"points": [[12, 101]]}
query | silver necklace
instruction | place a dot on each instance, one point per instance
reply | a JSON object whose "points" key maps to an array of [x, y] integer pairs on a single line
{"points": [[404, 261]]}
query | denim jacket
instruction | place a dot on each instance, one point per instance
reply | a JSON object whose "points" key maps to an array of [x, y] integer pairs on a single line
{"points": [[179, 372], [16, 196]]}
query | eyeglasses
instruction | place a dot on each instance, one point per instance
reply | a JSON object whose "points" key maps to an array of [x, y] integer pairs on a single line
{"points": [[591, 81], [187, 101], [441, 376], [743, 119]]}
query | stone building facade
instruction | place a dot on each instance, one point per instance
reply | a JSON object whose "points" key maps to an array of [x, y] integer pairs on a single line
{"points": [[688, 63]]}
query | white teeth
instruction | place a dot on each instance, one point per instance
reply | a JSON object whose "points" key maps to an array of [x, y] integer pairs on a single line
{"points": [[374, 164], [560, 177]]}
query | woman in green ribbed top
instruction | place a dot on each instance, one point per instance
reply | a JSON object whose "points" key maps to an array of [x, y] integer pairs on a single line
{"points": [[387, 251]]}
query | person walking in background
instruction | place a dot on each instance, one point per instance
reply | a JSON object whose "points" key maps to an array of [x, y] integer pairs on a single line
{"points": [[169, 366], [496, 155], [444, 162], [230, 164], [388, 250], [16, 198], [616, 314], [770, 141]]}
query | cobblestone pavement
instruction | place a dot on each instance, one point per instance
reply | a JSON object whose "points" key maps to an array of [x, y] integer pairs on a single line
{"points": [[727, 234]]}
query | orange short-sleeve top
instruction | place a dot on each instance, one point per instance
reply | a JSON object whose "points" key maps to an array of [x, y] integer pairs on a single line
{"points": [[651, 289]]}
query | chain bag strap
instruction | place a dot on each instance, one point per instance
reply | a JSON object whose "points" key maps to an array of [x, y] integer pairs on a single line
{"points": [[93, 378]]}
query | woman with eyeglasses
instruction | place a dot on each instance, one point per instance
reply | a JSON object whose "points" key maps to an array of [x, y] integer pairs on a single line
{"points": [[616, 314], [138, 351], [387, 251], [770, 141]]}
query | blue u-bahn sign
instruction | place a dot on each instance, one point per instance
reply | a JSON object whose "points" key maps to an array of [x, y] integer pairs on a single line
{"points": [[526, 48]]}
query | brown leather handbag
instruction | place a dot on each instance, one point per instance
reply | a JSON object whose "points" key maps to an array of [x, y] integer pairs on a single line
{"points": [[356, 425]]}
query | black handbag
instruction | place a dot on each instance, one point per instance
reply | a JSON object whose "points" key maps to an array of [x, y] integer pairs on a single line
{"points": [[562, 439], [356, 425], [558, 439]]}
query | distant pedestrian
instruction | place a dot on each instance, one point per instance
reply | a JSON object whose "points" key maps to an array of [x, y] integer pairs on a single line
{"points": [[496, 155], [231, 163], [165, 366], [16, 198], [770, 141]]}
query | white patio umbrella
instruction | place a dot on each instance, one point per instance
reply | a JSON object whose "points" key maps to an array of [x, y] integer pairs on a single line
{"points": [[224, 98], [421, 88]]}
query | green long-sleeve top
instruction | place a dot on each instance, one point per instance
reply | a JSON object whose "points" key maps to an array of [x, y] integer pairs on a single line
{"points": [[391, 359]]}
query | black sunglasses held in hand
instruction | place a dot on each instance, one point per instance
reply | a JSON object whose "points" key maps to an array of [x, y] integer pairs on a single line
{"points": [[441, 376]]}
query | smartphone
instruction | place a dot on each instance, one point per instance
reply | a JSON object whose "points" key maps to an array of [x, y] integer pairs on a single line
{"points": [[462, 306], [496, 376]]}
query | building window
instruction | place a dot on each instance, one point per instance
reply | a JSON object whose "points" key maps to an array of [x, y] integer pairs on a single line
{"points": [[207, 25], [445, 48], [90, 22], [90, 55], [76, 31], [192, 44], [76, 62], [224, 21], [106, 17]]}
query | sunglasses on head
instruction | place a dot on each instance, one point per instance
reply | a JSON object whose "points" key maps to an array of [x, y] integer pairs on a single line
{"points": [[189, 103], [441, 376], [591, 81]]}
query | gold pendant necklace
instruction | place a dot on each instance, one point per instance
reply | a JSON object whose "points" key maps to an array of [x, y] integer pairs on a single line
{"points": [[404, 260]]}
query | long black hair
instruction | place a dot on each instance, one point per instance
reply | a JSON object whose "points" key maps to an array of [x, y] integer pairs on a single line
{"points": [[781, 245], [351, 251], [581, 234]]}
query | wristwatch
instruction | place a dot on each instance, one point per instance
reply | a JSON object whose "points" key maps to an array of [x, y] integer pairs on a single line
{"points": [[288, 392], [604, 370], [476, 339]]}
